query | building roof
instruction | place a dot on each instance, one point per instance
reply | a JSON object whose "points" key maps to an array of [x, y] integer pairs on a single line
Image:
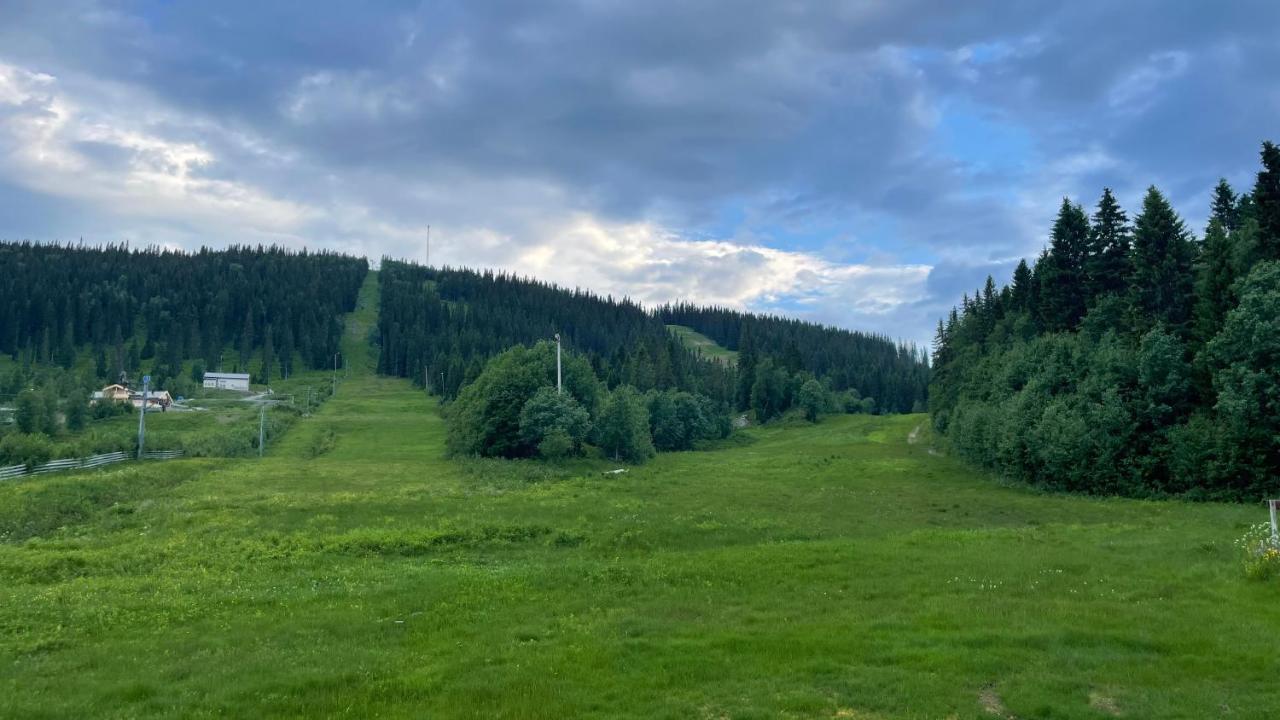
{"points": [[227, 376]]}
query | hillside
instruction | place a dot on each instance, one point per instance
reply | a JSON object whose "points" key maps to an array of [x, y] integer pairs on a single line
{"points": [[76, 318], [439, 325], [895, 375], [703, 345], [150, 311], [831, 570]]}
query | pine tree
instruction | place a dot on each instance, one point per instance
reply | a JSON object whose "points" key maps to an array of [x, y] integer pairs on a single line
{"points": [[940, 354], [1266, 200], [268, 355], [1107, 265], [287, 352], [746, 367], [1021, 293], [1214, 277], [246, 338], [66, 355], [1162, 266], [1062, 281], [1225, 206]]}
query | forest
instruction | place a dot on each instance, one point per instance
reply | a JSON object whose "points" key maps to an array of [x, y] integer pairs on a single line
{"points": [[1132, 357], [74, 318], [895, 375], [480, 339], [130, 306], [438, 326]]}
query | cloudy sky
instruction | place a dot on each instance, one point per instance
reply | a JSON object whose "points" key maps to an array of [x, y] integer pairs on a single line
{"points": [[857, 163]]}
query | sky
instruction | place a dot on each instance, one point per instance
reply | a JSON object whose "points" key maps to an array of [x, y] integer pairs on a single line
{"points": [[859, 163]]}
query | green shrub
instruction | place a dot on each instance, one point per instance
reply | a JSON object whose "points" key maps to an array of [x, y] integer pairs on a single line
{"points": [[556, 444], [321, 443], [28, 449]]}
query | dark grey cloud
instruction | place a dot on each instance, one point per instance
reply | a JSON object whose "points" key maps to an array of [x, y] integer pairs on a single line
{"points": [[848, 130]]}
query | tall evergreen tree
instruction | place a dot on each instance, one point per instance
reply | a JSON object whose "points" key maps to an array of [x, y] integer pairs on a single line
{"points": [[268, 355], [1022, 292], [1266, 200], [1225, 207], [1107, 264], [1062, 280], [1215, 274], [1162, 265], [746, 367], [246, 339]]}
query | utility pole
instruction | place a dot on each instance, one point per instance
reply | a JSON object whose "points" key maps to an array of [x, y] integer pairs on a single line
{"points": [[559, 387], [335, 373], [262, 422], [428, 246], [142, 416]]}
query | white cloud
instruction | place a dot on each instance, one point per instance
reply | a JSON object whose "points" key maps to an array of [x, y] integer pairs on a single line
{"points": [[55, 144], [652, 266], [116, 157]]}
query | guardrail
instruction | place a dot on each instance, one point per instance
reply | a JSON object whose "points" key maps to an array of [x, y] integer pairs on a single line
{"points": [[86, 463]]}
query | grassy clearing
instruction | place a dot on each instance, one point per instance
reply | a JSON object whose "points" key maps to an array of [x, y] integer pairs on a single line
{"points": [[835, 570], [703, 344]]}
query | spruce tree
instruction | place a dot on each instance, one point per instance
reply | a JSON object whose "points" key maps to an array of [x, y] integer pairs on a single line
{"points": [[246, 338], [1021, 294], [1107, 265], [1062, 281], [1214, 277], [1266, 200], [1162, 276], [746, 367], [1225, 206], [268, 355]]}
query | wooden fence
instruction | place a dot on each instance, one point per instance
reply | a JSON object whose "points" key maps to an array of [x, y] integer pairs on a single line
{"points": [[17, 471]]}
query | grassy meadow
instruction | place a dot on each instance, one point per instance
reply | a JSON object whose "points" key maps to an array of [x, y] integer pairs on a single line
{"points": [[703, 344], [839, 570]]}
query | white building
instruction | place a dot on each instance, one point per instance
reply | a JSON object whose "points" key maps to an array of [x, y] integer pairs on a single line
{"points": [[227, 381]]}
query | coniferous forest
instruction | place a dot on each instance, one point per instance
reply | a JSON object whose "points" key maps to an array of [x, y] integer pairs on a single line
{"points": [[129, 306], [1132, 357], [895, 376], [440, 325]]}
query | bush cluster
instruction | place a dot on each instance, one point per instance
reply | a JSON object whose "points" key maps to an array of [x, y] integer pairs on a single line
{"points": [[512, 409]]}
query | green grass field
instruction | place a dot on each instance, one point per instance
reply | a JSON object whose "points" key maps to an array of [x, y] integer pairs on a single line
{"points": [[829, 571], [703, 344]]}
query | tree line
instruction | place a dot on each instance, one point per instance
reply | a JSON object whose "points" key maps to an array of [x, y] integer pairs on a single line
{"points": [[894, 375], [74, 318], [128, 306], [1131, 357], [439, 326]]}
